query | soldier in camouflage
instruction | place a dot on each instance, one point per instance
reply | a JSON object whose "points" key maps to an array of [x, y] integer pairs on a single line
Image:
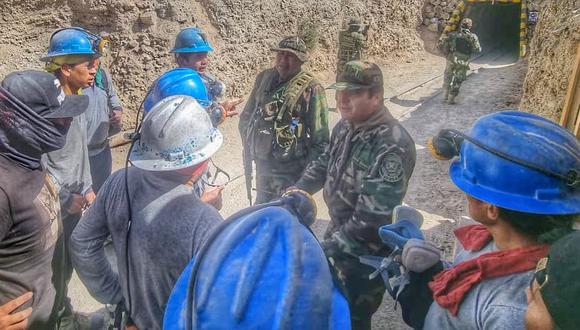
{"points": [[365, 173], [284, 124], [458, 46], [351, 42]]}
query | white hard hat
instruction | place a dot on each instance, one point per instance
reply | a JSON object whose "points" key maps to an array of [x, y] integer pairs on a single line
{"points": [[176, 133]]}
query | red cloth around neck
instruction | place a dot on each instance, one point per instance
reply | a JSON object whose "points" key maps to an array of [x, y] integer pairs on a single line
{"points": [[450, 286]]}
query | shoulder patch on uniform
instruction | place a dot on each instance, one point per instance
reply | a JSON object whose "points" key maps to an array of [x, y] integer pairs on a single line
{"points": [[392, 169]]}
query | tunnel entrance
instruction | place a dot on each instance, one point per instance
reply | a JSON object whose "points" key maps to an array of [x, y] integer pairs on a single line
{"points": [[496, 25], [500, 24]]}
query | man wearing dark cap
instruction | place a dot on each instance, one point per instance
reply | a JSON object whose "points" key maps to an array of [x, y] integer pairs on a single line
{"points": [[35, 118], [365, 173], [554, 292], [285, 122]]}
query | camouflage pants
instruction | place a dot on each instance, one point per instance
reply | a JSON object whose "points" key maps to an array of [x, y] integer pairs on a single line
{"points": [[455, 74], [364, 296], [272, 180]]}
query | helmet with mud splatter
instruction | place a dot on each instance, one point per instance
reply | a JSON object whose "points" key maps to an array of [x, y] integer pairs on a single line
{"points": [[176, 134]]}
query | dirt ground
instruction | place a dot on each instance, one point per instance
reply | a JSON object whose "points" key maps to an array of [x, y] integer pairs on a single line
{"points": [[494, 85]]}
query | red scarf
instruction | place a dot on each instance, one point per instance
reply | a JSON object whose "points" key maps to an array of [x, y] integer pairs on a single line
{"points": [[450, 286]]}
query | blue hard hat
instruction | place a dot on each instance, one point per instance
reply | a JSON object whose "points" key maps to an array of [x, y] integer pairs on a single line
{"points": [[72, 41], [191, 40], [262, 269], [179, 81], [521, 162]]}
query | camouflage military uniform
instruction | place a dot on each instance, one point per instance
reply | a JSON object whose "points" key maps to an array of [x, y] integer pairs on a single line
{"points": [[283, 130], [351, 42], [459, 46], [364, 172]]}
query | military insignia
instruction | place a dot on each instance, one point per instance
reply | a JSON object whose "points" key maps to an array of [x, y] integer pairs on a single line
{"points": [[392, 169]]}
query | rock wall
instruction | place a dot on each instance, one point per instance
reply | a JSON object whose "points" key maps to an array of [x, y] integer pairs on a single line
{"points": [[437, 12], [552, 56], [241, 32]]}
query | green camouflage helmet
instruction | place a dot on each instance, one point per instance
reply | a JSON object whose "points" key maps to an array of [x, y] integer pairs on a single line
{"points": [[359, 74], [294, 45]]}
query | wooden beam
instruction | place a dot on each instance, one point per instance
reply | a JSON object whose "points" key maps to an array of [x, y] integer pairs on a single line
{"points": [[571, 111]]}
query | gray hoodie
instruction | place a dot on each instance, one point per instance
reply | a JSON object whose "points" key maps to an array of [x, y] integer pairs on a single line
{"points": [[168, 228]]}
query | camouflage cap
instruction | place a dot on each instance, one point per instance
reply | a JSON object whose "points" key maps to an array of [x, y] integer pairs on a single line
{"points": [[359, 74], [294, 45]]}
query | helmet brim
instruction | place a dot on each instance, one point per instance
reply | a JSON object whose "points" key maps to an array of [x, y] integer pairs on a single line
{"points": [[143, 160], [548, 202]]}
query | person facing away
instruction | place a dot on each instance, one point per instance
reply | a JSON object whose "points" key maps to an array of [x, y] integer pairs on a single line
{"points": [[155, 220]]}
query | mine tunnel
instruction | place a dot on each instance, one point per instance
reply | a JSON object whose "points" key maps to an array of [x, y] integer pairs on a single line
{"points": [[498, 25]]}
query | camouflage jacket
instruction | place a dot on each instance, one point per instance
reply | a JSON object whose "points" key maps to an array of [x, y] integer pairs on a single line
{"points": [[365, 173], [462, 43], [350, 46], [300, 135]]}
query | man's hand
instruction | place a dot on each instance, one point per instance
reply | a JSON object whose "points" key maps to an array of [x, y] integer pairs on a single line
{"points": [[229, 106], [75, 204], [16, 321], [116, 117], [213, 196], [90, 197]]}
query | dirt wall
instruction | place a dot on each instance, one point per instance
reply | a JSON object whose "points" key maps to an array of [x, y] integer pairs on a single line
{"points": [[552, 55], [241, 32]]}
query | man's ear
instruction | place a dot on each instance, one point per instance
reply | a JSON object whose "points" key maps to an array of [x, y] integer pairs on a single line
{"points": [[492, 212], [65, 70]]}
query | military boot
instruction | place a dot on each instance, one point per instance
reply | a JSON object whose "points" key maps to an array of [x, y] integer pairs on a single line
{"points": [[445, 95], [451, 99]]}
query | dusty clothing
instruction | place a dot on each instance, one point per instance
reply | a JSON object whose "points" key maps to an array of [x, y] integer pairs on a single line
{"points": [[284, 126], [69, 167], [459, 47], [101, 167], [497, 303], [102, 100], [365, 173], [169, 226], [29, 230]]}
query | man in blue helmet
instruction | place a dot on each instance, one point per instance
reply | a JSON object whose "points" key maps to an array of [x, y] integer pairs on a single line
{"points": [[191, 51], [156, 222], [261, 269], [521, 175], [73, 58]]}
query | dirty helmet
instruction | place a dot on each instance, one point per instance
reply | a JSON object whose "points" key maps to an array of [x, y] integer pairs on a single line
{"points": [[176, 134], [466, 23], [515, 160], [191, 40], [73, 41], [262, 269], [294, 45], [178, 81]]}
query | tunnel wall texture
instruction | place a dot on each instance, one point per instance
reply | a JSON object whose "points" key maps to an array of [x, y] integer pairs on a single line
{"points": [[496, 25], [241, 31], [551, 59]]}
